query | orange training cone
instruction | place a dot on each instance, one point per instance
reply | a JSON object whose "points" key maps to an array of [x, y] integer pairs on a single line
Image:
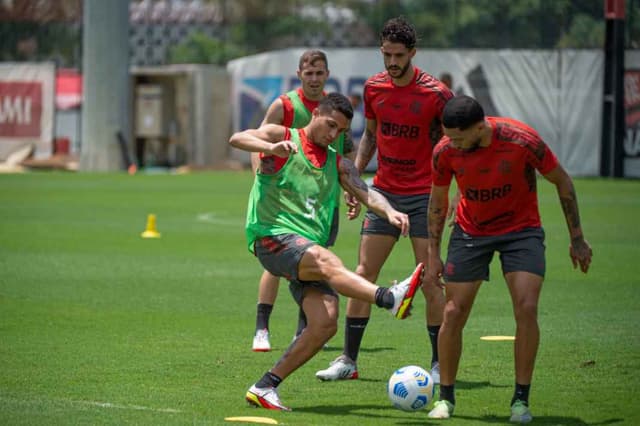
{"points": [[151, 231]]}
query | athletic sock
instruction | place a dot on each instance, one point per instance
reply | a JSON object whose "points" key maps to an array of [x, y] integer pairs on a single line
{"points": [[269, 380], [521, 393], [433, 331], [384, 298], [447, 393], [302, 322], [262, 317], [353, 333]]}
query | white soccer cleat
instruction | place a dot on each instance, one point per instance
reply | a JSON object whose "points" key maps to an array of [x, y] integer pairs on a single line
{"points": [[265, 398], [435, 372], [261, 341], [520, 413], [442, 409], [404, 292], [342, 368]]}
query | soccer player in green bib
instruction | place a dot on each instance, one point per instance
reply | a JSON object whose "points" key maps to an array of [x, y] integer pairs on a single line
{"points": [[293, 110], [288, 227]]}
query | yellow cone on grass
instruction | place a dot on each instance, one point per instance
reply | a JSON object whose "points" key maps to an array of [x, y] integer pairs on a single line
{"points": [[151, 231]]}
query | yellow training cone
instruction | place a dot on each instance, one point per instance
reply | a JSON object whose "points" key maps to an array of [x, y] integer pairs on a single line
{"points": [[151, 231]]}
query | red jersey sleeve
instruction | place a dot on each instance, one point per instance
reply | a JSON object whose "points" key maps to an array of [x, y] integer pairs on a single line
{"points": [[539, 155], [548, 160], [441, 170]]}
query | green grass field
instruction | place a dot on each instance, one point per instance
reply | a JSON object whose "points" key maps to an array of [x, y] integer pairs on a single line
{"points": [[100, 326]]}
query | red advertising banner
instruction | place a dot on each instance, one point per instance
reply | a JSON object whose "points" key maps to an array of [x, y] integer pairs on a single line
{"points": [[26, 108], [68, 89], [20, 109]]}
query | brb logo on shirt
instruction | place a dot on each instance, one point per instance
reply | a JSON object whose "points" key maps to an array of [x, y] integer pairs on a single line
{"points": [[399, 130], [487, 194]]}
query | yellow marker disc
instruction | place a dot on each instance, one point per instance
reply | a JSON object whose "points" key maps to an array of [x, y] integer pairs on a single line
{"points": [[252, 419], [497, 338]]}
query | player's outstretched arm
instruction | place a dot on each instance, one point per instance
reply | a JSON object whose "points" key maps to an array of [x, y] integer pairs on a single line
{"points": [[267, 139], [352, 183], [579, 250]]}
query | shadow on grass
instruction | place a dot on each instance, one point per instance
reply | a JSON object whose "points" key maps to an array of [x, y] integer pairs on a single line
{"points": [[461, 384], [538, 420], [356, 411], [338, 349], [397, 417]]}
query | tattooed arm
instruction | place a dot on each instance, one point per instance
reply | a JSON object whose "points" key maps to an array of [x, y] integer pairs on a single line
{"points": [[436, 216], [352, 183], [367, 146], [579, 250]]}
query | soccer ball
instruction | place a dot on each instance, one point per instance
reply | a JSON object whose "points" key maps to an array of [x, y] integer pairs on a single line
{"points": [[410, 388]]}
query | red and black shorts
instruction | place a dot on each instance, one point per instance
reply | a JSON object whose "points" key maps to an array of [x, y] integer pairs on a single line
{"points": [[469, 257], [415, 206], [281, 255]]}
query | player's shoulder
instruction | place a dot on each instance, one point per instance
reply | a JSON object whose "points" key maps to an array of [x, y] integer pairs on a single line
{"points": [[443, 145], [443, 149], [512, 130], [380, 79], [428, 83]]}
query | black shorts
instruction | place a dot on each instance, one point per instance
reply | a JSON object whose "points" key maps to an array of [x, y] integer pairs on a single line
{"points": [[415, 206], [281, 255], [468, 257]]}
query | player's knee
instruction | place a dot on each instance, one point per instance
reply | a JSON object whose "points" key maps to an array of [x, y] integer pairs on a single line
{"points": [[367, 273], [526, 311], [325, 328], [454, 313], [432, 293]]}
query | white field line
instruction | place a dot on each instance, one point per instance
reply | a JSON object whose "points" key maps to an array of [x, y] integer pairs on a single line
{"points": [[127, 407], [91, 403], [211, 217]]}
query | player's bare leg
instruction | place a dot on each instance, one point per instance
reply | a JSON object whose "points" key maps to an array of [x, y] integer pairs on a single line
{"points": [[525, 290], [322, 322], [525, 293]]}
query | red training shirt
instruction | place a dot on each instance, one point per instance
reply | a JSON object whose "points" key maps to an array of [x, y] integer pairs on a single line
{"points": [[497, 182], [408, 127]]}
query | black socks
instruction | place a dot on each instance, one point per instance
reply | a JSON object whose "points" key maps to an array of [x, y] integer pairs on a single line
{"points": [[269, 380], [354, 330], [521, 393], [447, 393], [384, 298], [262, 319]]}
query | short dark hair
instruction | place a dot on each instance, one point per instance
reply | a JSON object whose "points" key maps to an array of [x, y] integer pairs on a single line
{"points": [[336, 102], [399, 30], [311, 56], [462, 112]]}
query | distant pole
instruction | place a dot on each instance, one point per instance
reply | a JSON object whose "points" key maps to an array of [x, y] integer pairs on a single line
{"points": [[106, 90], [613, 124]]}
